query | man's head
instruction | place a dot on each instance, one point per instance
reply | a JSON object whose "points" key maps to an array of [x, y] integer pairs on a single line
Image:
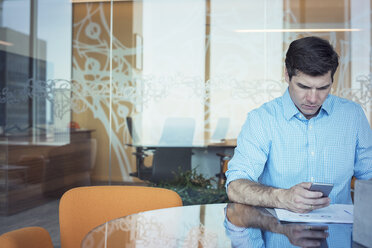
{"points": [[310, 65], [312, 56]]}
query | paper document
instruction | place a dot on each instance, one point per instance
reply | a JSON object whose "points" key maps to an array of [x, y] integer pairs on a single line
{"points": [[334, 213]]}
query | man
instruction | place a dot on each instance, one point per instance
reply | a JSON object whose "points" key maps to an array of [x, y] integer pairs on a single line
{"points": [[302, 137]]}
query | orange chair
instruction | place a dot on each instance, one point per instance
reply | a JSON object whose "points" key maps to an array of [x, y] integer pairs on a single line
{"points": [[27, 237], [83, 208], [224, 160], [352, 185]]}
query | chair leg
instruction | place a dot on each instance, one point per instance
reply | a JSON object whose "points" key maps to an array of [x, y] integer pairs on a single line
{"points": [[141, 172]]}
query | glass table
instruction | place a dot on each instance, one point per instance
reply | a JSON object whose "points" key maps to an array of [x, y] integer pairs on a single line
{"points": [[215, 225]]}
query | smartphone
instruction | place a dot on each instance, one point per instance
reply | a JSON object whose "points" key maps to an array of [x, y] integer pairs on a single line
{"points": [[325, 188]]}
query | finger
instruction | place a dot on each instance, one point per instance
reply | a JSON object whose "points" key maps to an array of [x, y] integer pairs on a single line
{"points": [[307, 208], [317, 228], [303, 205], [312, 194], [316, 201], [308, 242], [303, 208], [305, 185], [320, 206], [314, 234], [302, 191]]}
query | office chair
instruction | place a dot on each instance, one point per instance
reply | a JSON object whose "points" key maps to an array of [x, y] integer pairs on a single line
{"points": [[352, 186], [143, 172], [219, 134], [224, 160], [27, 237], [83, 208], [178, 132], [175, 149], [169, 161], [221, 129], [132, 130]]}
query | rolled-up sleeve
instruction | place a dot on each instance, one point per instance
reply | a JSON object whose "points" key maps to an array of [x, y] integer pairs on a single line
{"points": [[251, 153]]}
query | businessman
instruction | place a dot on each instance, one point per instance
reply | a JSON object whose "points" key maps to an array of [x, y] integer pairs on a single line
{"points": [[305, 136]]}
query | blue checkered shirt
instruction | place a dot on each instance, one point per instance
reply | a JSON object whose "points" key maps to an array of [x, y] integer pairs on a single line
{"points": [[279, 147]]}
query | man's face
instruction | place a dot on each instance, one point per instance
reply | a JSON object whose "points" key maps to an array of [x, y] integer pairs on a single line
{"points": [[308, 93]]}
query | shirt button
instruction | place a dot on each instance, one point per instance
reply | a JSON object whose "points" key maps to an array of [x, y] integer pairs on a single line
{"points": [[310, 127], [312, 153]]}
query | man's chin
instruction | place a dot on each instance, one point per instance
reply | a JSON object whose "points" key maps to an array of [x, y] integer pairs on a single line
{"points": [[309, 113]]}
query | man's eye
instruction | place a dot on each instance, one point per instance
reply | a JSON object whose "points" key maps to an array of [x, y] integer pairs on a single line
{"points": [[323, 88], [303, 86]]}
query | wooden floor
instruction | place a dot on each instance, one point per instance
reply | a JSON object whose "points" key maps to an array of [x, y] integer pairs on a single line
{"points": [[45, 215]]}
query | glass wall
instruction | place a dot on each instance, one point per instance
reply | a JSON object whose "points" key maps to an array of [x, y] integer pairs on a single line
{"points": [[85, 84]]}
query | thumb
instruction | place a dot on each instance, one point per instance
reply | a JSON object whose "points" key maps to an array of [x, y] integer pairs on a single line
{"points": [[305, 185]]}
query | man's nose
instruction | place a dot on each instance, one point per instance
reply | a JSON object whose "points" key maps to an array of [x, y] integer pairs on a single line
{"points": [[312, 96]]}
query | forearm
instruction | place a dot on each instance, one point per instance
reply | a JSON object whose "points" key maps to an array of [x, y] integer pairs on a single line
{"points": [[247, 192], [248, 216]]}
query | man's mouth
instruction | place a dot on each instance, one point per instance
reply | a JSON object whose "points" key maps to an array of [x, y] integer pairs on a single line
{"points": [[310, 106]]}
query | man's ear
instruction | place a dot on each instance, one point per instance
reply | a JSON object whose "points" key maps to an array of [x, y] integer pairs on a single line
{"points": [[286, 76]]}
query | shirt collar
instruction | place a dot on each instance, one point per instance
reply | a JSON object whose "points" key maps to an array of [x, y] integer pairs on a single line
{"points": [[291, 110], [327, 105]]}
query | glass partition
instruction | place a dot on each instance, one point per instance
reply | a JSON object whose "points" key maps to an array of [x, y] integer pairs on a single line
{"points": [[38, 149], [91, 90]]}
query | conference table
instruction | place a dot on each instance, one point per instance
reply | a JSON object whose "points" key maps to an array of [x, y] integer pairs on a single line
{"points": [[182, 154], [215, 225]]}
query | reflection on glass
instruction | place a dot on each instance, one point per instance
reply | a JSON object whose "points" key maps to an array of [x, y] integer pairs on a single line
{"points": [[33, 56], [249, 226], [41, 153]]}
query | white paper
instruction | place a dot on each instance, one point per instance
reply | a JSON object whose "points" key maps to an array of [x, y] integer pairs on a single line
{"points": [[334, 213]]}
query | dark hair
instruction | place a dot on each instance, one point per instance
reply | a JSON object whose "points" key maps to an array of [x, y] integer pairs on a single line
{"points": [[311, 55]]}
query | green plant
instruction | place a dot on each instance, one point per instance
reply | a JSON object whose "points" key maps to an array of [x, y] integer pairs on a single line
{"points": [[194, 188]]}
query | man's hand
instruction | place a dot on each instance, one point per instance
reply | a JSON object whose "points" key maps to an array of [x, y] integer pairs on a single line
{"points": [[301, 200], [299, 235], [305, 236], [297, 199]]}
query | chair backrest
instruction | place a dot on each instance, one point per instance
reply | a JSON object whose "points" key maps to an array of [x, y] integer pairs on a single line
{"points": [[132, 130], [27, 237], [178, 132], [83, 208], [221, 129]]}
